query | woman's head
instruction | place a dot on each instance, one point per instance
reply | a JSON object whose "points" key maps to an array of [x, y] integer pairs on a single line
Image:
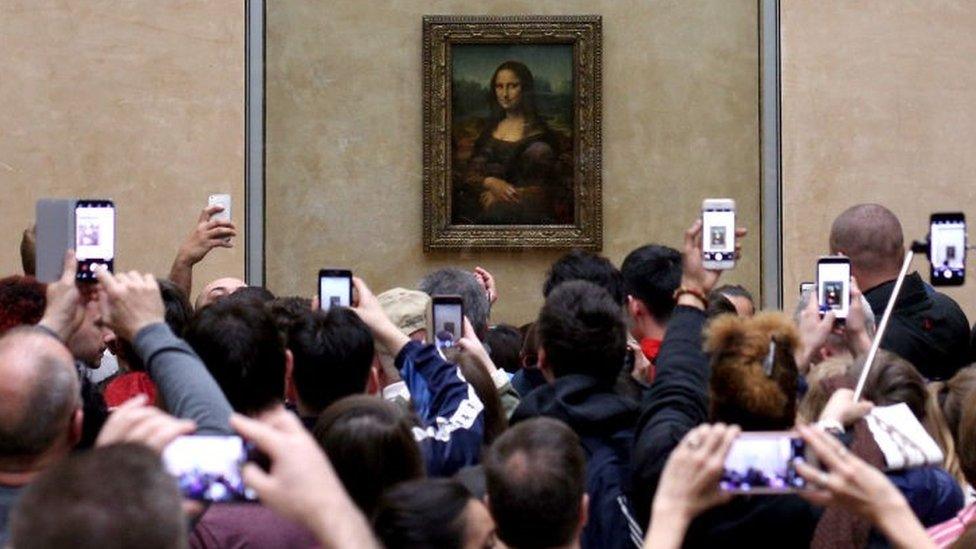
{"points": [[754, 376], [512, 88], [953, 395], [432, 513], [370, 445], [893, 380]]}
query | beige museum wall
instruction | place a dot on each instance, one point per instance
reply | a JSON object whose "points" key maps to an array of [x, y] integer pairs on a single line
{"points": [[139, 101], [343, 174], [879, 105]]}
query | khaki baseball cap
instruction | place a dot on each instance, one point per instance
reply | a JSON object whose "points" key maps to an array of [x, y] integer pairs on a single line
{"points": [[406, 308]]}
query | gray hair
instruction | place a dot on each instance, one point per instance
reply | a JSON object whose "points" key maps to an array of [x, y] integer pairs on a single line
{"points": [[834, 340], [454, 281]]}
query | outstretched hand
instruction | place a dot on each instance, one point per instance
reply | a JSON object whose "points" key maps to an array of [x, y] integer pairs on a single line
{"points": [[207, 235], [135, 421], [487, 281], [371, 313], [65, 308], [814, 330], [129, 301], [694, 275]]}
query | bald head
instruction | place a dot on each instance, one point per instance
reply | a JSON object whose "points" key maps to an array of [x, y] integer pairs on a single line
{"points": [[39, 394], [871, 236], [216, 290]]}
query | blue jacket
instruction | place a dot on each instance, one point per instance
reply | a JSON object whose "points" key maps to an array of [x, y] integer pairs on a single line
{"points": [[451, 432], [932, 493]]}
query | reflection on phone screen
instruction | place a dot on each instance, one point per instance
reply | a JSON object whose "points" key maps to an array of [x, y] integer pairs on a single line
{"points": [[447, 324], [94, 237], [834, 291], [334, 292], [718, 238], [208, 468], [763, 463], [948, 249]]}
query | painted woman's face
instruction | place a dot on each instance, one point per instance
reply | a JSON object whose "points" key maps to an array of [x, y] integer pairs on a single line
{"points": [[508, 89]]}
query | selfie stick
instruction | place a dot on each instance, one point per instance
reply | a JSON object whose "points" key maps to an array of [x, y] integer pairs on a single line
{"points": [[884, 319]]}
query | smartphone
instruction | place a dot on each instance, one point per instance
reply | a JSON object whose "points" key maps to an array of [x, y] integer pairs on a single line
{"points": [[718, 233], [335, 288], [208, 468], [807, 287], [94, 237], [54, 220], [834, 285], [220, 200], [448, 316], [947, 249], [764, 463]]}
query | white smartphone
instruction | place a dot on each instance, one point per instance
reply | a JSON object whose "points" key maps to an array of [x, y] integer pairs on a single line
{"points": [[764, 463], [718, 233], [94, 237], [834, 285], [220, 200]]}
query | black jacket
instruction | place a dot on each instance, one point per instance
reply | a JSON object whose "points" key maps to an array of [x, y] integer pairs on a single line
{"points": [[676, 403], [927, 328], [604, 421]]}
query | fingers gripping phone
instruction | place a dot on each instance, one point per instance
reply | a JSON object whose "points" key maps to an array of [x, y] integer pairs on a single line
{"points": [[335, 288], [448, 316], [764, 463], [94, 237], [834, 285], [220, 200], [947, 249], [718, 233], [208, 468]]}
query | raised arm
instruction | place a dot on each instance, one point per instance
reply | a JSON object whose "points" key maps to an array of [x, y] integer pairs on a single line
{"points": [[207, 235]]}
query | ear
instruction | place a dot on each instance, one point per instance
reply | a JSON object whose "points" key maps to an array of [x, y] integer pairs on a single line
{"points": [[545, 367], [291, 394], [825, 352], [584, 512], [373, 384], [76, 427], [633, 307]]}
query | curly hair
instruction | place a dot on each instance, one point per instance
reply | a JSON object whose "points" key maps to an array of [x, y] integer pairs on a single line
{"points": [[22, 301]]}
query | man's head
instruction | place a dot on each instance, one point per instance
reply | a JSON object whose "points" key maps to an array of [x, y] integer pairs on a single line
{"points": [[22, 301], [581, 332], [836, 344], [40, 405], [112, 497], [871, 236], [216, 290], [452, 281], [651, 274], [740, 297], [535, 474], [241, 346], [332, 354], [89, 341], [28, 254], [407, 309], [580, 265]]}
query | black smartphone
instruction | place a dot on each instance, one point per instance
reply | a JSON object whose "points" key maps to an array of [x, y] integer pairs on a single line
{"points": [[208, 468], [764, 463], [335, 288], [448, 319], [94, 237], [834, 285], [947, 249]]}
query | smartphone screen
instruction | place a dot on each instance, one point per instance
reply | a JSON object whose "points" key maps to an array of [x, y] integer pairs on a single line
{"points": [[718, 233], [448, 316], [94, 237], [763, 463], [834, 285], [335, 288], [947, 249], [807, 287], [208, 468]]}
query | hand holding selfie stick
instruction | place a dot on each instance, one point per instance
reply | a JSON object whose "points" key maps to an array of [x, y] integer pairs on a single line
{"points": [[921, 247]]}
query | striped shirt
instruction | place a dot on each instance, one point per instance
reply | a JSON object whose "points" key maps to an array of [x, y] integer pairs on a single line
{"points": [[948, 532]]}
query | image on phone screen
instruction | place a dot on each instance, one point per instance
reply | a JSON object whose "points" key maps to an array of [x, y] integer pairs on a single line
{"points": [[763, 463], [448, 324], [947, 249], [718, 237], [94, 237], [208, 468], [335, 289], [833, 292]]}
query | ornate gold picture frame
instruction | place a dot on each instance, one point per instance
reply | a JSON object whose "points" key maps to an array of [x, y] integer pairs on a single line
{"points": [[512, 132]]}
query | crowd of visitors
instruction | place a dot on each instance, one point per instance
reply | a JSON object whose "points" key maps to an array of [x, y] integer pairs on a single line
{"points": [[606, 422]]}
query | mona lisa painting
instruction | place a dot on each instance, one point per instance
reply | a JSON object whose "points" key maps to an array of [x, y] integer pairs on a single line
{"points": [[512, 153]]}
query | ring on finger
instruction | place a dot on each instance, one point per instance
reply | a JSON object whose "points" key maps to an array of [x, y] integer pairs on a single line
{"points": [[823, 478], [694, 442]]}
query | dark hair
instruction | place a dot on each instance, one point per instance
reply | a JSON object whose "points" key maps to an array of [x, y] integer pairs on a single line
{"points": [[239, 343], [580, 265], [483, 385], [111, 497], [288, 312], [966, 446], [536, 479], [893, 380], [421, 514], [22, 301], [178, 308], [253, 293], [734, 290], [953, 395], [529, 355], [582, 332], [332, 354], [28, 251], [453, 281], [53, 395], [371, 445], [718, 304], [504, 343], [651, 274], [527, 103]]}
